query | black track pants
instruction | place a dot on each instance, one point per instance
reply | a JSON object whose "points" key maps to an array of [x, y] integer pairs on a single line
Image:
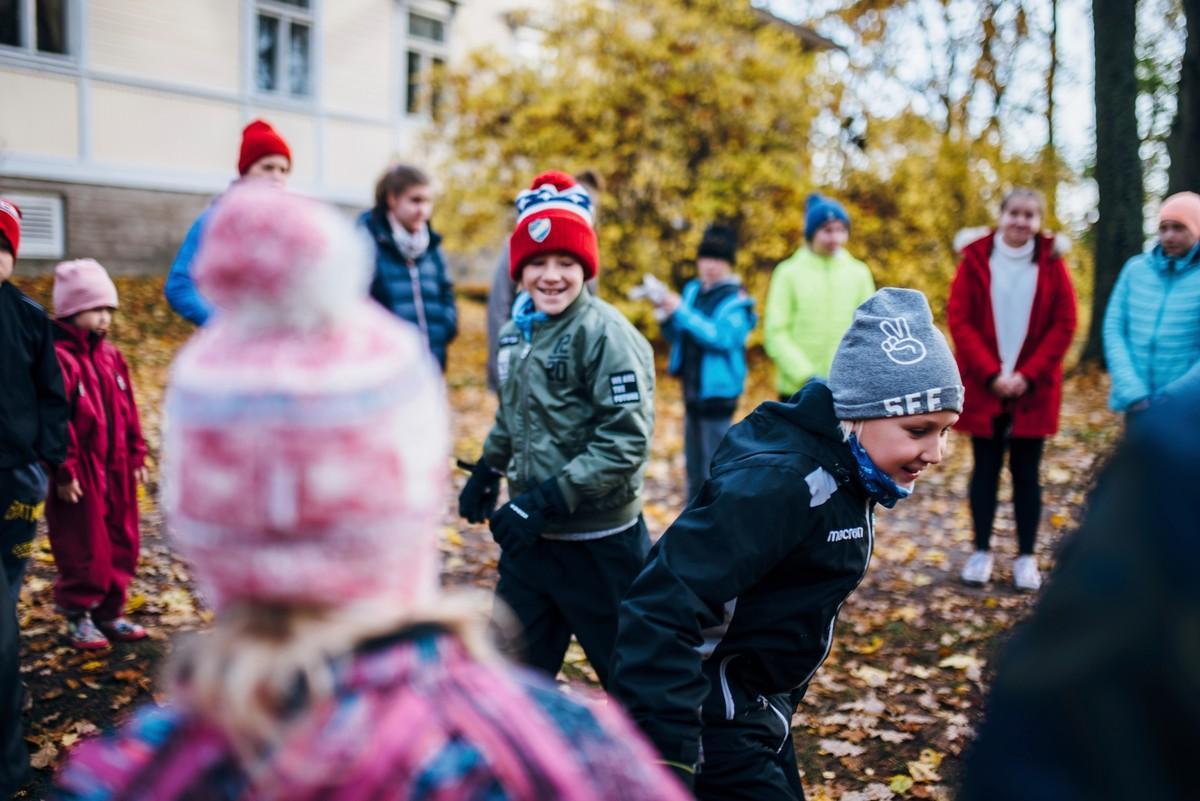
{"points": [[557, 588], [14, 756], [750, 757]]}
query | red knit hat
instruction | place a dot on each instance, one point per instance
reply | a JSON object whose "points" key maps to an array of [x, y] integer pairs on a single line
{"points": [[10, 224], [553, 216], [259, 139]]}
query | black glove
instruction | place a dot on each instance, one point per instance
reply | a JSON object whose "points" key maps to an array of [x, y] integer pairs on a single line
{"points": [[477, 500], [523, 519]]}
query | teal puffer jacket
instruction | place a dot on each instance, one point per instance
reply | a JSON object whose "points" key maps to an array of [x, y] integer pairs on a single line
{"points": [[1152, 328]]}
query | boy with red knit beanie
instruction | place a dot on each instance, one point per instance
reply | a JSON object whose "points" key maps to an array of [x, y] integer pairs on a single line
{"points": [[33, 431], [572, 437], [92, 511], [33, 408], [263, 156]]}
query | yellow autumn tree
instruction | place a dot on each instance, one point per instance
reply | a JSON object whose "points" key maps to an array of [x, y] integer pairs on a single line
{"points": [[916, 187], [698, 110], [690, 111]]}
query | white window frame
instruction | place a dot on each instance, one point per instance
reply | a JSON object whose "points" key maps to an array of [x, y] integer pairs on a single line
{"points": [[286, 15], [27, 50], [427, 51], [529, 45], [50, 207]]}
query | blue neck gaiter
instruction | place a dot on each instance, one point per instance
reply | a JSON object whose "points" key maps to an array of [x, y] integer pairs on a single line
{"points": [[879, 484], [525, 315]]}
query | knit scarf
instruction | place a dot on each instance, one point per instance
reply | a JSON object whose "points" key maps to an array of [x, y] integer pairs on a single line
{"points": [[526, 315], [879, 484], [412, 246]]}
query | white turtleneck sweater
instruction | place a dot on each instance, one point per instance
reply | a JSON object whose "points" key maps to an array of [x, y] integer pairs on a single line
{"points": [[1014, 282]]}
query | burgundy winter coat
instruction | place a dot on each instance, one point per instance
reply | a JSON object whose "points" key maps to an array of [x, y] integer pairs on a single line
{"points": [[973, 327], [95, 541]]}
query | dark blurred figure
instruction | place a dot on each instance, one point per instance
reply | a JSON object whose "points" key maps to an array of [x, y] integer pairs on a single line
{"points": [[1098, 694], [14, 756]]}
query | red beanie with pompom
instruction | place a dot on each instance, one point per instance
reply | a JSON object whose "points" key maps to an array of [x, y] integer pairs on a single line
{"points": [[553, 216]]}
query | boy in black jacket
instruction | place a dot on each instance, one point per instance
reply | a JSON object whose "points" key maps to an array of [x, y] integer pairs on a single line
{"points": [[33, 407], [735, 609], [33, 432]]}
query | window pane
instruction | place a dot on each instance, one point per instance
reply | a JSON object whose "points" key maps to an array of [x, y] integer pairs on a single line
{"points": [[52, 26], [435, 91], [413, 102], [268, 47], [426, 28], [298, 59], [296, 3], [10, 22]]}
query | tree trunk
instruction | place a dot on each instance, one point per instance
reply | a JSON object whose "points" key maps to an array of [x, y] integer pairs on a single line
{"points": [[1118, 166], [1050, 151], [1184, 173]]}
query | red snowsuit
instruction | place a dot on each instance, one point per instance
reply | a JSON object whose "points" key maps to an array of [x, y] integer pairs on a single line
{"points": [[95, 540]]}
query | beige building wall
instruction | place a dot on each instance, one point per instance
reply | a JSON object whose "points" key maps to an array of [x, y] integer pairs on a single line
{"points": [[163, 131], [356, 154], [138, 128], [361, 69], [53, 130], [300, 132], [195, 44]]}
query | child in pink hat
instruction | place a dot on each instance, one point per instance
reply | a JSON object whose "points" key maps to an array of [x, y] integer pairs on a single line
{"points": [[92, 508], [1152, 322], [305, 464]]}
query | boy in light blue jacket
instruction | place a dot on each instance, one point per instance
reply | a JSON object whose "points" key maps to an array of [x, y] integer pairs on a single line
{"points": [[1152, 323], [707, 327]]}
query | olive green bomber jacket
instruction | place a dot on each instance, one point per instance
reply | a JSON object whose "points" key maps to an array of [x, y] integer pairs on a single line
{"points": [[577, 405]]}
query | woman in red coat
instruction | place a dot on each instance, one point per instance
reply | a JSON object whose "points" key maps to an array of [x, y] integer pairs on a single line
{"points": [[1012, 316]]}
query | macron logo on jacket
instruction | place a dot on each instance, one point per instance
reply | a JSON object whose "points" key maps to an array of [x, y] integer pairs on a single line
{"points": [[840, 534]]}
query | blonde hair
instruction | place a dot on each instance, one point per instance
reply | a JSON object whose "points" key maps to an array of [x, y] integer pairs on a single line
{"points": [[849, 427], [245, 673]]}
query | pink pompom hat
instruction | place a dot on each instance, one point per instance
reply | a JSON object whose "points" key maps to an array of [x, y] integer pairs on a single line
{"points": [[306, 449]]}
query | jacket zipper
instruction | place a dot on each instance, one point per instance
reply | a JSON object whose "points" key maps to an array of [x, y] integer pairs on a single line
{"points": [[525, 351], [1162, 307], [414, 277], [730, 711], [836, 612], [787, 725]]}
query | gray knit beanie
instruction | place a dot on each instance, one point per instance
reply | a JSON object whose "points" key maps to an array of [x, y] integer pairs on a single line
{"points": [[893, 361]]}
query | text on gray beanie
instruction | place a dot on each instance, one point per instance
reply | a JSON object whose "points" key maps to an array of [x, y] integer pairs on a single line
{"points": [[893, 361]]}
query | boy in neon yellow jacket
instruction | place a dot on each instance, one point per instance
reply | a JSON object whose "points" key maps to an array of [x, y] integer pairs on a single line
{"points": [[812, 297]]}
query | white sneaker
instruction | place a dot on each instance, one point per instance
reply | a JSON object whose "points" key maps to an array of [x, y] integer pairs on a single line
{"points": [[1025, 574], [978, 569]]}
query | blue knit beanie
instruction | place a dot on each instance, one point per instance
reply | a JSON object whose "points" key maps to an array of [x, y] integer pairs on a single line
{"points": [[819, 210]]}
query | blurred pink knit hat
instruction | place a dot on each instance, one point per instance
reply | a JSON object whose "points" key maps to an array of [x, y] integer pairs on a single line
{"points": [[1183, 208], [81, 285], [306, 439]]}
